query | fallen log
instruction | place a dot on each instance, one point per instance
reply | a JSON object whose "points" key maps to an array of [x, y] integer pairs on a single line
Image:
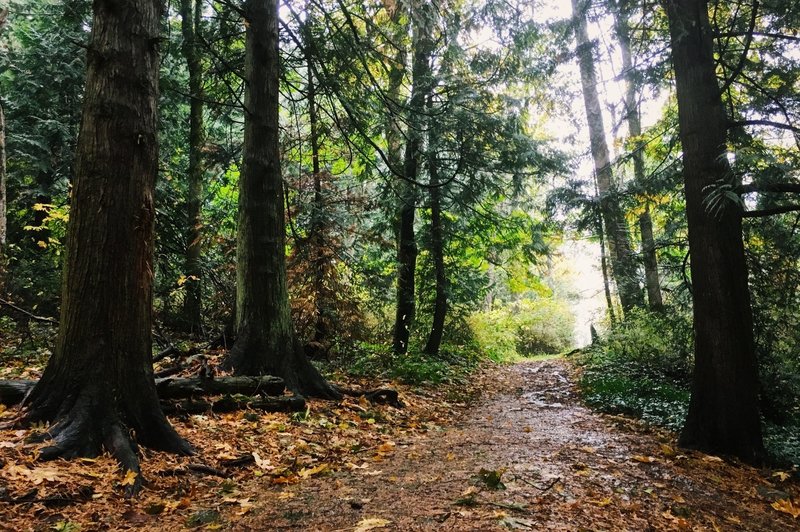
{"points": [[228, 403], [14, 391], [172, 388]]}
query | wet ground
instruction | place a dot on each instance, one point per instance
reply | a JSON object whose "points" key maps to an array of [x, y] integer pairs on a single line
{"points": [[529, 456]]}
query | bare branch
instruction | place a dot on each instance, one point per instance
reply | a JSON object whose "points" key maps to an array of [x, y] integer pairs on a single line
{"points": [[768, 123], [769, 187], [770, 212], [743, 57], [758, 34], [24, 312]]}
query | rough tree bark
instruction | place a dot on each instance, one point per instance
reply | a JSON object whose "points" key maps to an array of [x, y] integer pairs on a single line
{"points": [[723, 411], [265, 338], [98, 388], [191, 13], [623, 260], [652, 282], [422, 43]]}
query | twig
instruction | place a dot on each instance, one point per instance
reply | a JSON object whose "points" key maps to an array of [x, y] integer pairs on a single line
{"points": [[21, 310], [206, 470], [544, 489]]}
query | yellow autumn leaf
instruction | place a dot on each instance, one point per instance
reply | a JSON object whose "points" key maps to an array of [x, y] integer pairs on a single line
{"points": [[668, 451], [643, 459], [371, 523], [386, 448], [310, 471], [783, 476], [130, 478], [42, 244], [786, 506], [603, 502]]}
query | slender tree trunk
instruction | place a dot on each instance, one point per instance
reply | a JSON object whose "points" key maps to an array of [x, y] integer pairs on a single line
{"points": [[623, 260], [723, 412], [265, 338], [191, 13], [652, 282], [318, 256], [3, 218], [3, 199], [604, 267], [437, 253], [98, 386], [422, 43]]}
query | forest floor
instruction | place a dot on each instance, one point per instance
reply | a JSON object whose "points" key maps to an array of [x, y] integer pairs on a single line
{"points": [[522, 454]]}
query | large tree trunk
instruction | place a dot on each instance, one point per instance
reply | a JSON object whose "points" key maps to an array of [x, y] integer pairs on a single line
{"points": [[652, 282], [723, 412], [98, 386], [623, 260], [265, 339], [191, 13], [422, 42]]}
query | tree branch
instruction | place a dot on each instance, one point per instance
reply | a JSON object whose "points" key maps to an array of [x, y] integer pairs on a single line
{"points": [[769, 187], [28, 314], [770, 212], [769, 123], [758, 34], [743, 57]]}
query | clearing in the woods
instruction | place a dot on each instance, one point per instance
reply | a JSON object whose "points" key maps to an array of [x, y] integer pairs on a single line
{"points": [[524, 455]]}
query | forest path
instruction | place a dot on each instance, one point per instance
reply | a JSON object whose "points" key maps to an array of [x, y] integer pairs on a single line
{"points": [[564, 467]]}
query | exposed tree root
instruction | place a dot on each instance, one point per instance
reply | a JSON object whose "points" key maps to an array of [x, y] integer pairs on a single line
{"points": [[90, 421]]}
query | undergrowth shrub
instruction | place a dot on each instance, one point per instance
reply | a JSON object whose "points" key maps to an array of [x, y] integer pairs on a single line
{"points": [[453, 364], [642, 367], [524, 328]]}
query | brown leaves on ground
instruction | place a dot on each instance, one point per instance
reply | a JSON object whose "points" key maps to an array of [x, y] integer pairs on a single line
{"points": [[240, 456], [527, 456]]}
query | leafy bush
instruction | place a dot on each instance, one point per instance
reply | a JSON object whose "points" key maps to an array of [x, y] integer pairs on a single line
{"points": [[452, 364], [642, 367], [524, 328]]}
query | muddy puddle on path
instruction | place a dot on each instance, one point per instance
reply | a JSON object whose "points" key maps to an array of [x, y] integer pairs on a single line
{"points": [[560, 467]]}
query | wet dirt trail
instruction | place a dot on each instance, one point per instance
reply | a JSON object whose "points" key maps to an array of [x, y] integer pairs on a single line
{"points": [[563, 467]]}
